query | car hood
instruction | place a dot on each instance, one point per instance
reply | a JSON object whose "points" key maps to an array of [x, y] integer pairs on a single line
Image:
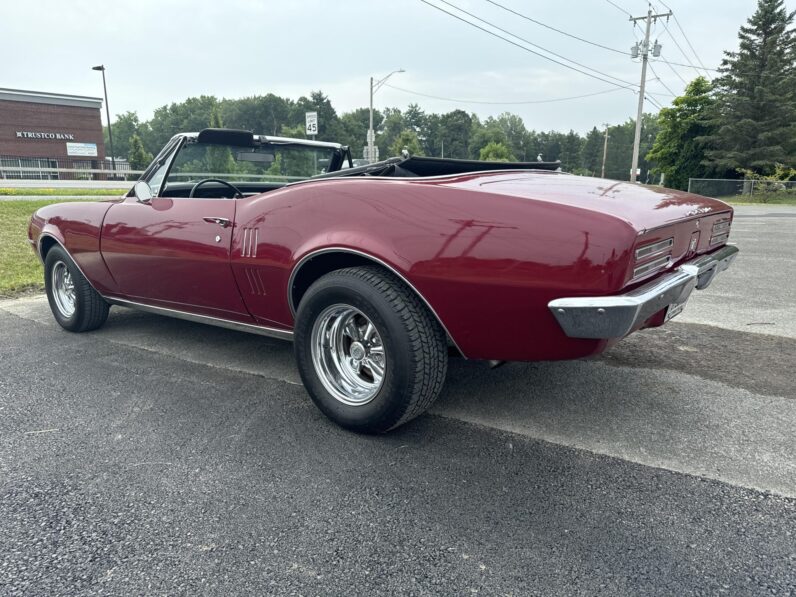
{"points": [[642, 206]]}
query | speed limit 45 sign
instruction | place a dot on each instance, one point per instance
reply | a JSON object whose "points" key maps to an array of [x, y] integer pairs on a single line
{"points": [[311, 120]]}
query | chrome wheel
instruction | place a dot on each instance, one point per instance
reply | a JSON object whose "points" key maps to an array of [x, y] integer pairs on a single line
{"points": [[63, 289], [348, 354]]}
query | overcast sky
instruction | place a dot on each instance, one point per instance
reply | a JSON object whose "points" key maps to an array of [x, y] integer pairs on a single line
{"points": [[158, 52]]}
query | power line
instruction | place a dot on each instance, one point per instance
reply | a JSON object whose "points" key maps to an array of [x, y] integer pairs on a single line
{"points": [[688, 41], [619, 8], [626, 85], [689, 65], [653, 101], [721, 73], [532, 43], [669, 64], [657, 78], [679, 47], [527, 18], [466, 101]]}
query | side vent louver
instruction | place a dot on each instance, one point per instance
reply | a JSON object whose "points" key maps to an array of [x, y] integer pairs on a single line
{"points": [[256, 285], [251, 238]]}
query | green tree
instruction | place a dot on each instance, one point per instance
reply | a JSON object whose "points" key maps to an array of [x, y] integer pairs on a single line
{"points": [[431, 135], [406, 139], [678, 151], [124, 127], [571, 146], [193, 114], [415, 118], [496, 152], [262, 114], [481, 135], [219, 158], [354, 127], [454, 131], [138, 157], [329, 128], [387, 133], [620, 147], [755, 112], [591, 154], [516, 134]]}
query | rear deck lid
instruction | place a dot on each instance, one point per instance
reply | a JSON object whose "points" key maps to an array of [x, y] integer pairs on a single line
{"points": [[643, 207]]}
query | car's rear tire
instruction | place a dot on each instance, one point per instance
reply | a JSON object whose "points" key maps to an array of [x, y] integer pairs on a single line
{"points": [[370, 353], [76, 306]]}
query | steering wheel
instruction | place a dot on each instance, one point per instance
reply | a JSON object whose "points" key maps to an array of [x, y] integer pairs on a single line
{"points": [[236, 190]]}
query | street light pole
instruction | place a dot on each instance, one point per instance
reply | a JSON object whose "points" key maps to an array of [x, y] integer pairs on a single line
{"points": [[374, 87], [101, 67]]}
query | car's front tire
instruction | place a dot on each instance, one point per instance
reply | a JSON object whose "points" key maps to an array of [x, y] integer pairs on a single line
{"points": [[76, 306], [370, 353]]}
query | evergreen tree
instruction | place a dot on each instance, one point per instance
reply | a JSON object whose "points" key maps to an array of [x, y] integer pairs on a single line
{"points": [[755, 115], [138, 157], [678, 152]]}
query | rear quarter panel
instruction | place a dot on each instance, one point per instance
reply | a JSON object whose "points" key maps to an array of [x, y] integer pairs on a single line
{"points": [[487, 263]]}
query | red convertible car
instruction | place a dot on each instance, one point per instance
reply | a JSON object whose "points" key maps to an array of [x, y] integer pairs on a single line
{"points": [[377, 273]]}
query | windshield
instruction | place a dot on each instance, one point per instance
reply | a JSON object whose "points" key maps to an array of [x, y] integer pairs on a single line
{"points": [[265, 163]]}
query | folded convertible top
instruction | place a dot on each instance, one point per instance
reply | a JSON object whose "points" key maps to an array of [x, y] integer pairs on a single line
{"points": [[426, 166]]}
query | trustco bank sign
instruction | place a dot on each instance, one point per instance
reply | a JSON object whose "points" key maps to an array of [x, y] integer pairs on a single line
{"points": [[45, 135]]}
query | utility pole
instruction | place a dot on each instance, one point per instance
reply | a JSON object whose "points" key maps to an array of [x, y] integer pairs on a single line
{"points": [[605, 149], [644, 50], [374, 87]]}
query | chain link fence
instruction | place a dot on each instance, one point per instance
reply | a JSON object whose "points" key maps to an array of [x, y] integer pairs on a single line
{"points": [[749, 190]]}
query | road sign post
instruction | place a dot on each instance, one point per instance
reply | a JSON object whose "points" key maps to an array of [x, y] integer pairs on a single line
{"points": [[311, 123]]}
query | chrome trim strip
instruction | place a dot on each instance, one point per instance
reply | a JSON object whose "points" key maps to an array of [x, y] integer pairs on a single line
{"points": [[192, 136], [654, 248], [60, 244], [207, 319], [616, 316], [317, 252]]}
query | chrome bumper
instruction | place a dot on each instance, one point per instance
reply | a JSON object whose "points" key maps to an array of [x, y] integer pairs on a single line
{"points": [[616, 316]]}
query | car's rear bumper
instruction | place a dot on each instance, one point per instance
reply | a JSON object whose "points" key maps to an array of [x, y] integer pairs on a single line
{"points": [[618, 315]]}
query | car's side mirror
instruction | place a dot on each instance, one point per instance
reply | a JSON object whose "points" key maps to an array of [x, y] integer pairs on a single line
{"points": [[143, 192]]}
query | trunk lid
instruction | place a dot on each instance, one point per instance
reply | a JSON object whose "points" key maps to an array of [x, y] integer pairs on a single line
{"points": [[671, 226], [643, 207]]}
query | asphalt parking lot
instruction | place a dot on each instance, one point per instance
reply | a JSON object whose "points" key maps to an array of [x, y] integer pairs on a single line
{"points": [[156, 456]]}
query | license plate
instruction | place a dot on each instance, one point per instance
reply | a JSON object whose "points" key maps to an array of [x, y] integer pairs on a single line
{"points": [[674, 310]]}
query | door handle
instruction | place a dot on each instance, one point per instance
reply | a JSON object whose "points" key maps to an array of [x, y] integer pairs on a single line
{"points": [[223, 222]]}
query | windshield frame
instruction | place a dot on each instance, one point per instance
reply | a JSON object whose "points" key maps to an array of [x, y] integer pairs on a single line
{"points": [[170, 151]]}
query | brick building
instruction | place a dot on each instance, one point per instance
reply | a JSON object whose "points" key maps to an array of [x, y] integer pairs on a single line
{"points": [[48, 130]]}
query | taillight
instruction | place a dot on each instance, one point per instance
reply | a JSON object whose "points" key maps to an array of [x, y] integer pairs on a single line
{"points": [[652, 257], [720, 232]]}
